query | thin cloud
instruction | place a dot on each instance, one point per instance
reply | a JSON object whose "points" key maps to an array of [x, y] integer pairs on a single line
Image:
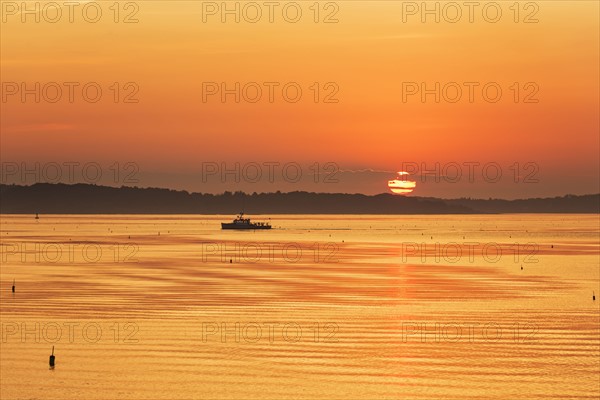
{"points": [[42, 127]]}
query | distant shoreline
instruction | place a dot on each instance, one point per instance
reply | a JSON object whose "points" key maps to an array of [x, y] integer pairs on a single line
{"points": [[258, 215], [48, 198]]}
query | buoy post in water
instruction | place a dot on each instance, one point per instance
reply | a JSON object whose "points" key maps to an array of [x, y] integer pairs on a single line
{"points": [[51, 362], [13, 286]]}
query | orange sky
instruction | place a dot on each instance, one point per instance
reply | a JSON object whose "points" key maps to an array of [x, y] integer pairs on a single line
{"points": [[368, 54]]}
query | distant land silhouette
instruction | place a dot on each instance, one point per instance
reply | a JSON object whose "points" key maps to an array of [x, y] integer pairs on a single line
{"points": [[47, 198]]}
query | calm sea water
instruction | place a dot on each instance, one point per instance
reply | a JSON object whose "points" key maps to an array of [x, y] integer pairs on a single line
{"points": [[348, 307]]}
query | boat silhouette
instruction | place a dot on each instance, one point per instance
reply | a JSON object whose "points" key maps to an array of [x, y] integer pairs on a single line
{"points": [[244, 223]]}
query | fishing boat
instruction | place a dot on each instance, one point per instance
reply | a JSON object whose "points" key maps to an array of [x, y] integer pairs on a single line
{"points": [[244, 223]]}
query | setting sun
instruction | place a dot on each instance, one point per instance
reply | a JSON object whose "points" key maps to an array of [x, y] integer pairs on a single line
{"points": [[401, 185]]}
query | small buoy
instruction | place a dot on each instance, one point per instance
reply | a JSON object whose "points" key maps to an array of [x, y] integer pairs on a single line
{"points": [[521, 268], [552, 246], [51, 361], [13, 287], [230, 261], [37, 216]]}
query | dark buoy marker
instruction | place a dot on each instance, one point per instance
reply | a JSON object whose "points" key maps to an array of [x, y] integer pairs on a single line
{"points": [[594, 296], [13, 287], [51, 361]]}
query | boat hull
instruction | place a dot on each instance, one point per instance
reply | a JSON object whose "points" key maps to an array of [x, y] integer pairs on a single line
{"points": [[243, 227]]}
